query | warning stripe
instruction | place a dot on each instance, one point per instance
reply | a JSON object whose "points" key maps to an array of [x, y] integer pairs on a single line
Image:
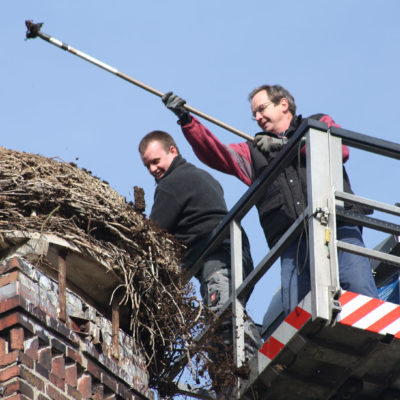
{"points": [[271, 347], [370, 314], [298, 317], [386, 320], [378, 314], [346, 297], [289, 327], [359, 311]]}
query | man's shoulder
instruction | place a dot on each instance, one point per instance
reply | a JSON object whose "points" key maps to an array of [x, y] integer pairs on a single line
{"points": [[192, 170], [324, 118], [182, 170]]}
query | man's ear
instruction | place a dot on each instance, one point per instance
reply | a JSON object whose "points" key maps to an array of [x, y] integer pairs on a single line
{"points": [[173, 150], [284, 104]]}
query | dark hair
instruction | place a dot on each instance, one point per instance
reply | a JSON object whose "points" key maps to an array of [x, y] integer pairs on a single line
{"points": [[165, 139], [276, 93]]}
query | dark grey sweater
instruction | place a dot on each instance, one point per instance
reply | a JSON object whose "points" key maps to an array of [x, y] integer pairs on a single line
{"points": [[188, 202]]}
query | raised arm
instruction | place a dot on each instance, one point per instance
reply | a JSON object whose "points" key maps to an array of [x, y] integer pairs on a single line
{"points": [[233, 159]]}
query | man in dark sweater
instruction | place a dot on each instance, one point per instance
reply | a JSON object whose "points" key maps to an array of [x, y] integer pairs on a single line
{"points": [[189, 203]]}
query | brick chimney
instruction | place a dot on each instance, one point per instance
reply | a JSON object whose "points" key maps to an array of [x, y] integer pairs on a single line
{"points": [[58, 339]]}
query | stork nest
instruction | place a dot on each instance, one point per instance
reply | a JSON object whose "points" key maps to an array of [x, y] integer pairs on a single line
{"points": [[39, 194]]}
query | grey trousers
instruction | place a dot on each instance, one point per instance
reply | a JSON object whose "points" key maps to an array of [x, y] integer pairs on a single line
{"points": [[216, 289]]}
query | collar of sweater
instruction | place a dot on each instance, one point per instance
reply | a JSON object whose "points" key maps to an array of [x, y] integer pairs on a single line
{"points": [[176, 162]]}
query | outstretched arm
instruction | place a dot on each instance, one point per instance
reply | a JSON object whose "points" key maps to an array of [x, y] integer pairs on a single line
{"points": [[233, 159]]}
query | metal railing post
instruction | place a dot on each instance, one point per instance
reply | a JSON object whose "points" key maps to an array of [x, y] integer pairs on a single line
{"points": [[237, 307], [322, 230], [336, 182]]}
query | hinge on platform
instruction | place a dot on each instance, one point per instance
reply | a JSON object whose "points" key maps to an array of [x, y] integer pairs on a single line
{"points": [[336, 307]]}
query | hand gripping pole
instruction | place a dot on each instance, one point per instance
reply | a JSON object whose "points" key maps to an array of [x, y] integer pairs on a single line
{"points": [[33, 31]]}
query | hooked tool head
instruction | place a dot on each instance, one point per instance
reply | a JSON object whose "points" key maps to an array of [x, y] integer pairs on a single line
{"points": [[32, 29]]}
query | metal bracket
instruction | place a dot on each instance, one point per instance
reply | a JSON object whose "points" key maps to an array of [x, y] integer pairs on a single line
{"points": [[322, 215], [336, 307]]}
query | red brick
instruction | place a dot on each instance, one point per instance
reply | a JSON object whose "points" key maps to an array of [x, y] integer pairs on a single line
{"points": [[39, 368], [9, 320], [54, 393], [56, 381], [19, 386], [9, 358], [79, 358], [9, 372], [10, 303], [58, 366], [85, 385], [10, 266], [3, 346], [17, 338], [25, 389], [17, 397], [93, 369], [71, 354], [11, 277], [32, 347], [43, 397], [59, 346], [71, 391], [43, 336], [74, 355], [71, 375], [44, 357], [109, 382], [9, 388], [14, 263], [26, 360], [32, 379], [24, 322]]}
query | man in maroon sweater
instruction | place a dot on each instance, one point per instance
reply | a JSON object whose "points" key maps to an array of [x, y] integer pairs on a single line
{"points": [[274, 110]]}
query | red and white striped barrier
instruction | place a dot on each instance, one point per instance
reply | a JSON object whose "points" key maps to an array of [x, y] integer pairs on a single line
{"points": [[359, 311], [370, 314]]}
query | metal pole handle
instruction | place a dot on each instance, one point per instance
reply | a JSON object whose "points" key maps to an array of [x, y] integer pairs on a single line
{"points": [[34, 31]]}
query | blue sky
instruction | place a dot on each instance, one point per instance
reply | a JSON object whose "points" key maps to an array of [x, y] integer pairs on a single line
{"points": [[341, 58]]}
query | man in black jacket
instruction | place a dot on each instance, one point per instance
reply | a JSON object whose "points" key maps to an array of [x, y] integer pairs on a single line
{"points": [[189, 203]]}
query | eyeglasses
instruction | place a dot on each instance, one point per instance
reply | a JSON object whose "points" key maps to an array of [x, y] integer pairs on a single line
{"points": [[260, 109]]}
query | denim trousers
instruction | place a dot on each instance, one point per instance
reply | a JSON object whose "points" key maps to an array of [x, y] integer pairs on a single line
{"points": [[355, 272]]}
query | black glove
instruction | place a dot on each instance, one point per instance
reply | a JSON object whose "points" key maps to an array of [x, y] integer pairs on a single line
{"points": [[176, 105], [266, 143]]}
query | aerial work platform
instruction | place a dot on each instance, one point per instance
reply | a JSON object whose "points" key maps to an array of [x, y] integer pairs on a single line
{"points": [[336, 344], [356, 358]]}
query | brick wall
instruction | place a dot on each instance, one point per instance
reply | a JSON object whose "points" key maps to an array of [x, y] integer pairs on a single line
{"points": [[43, 358]]}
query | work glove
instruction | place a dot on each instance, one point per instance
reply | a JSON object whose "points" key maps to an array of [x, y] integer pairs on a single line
{"points": [[176, 105], [267, 144]]}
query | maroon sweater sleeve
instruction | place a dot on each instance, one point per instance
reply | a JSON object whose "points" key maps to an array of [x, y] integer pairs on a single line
{"points": [[233, 159]]}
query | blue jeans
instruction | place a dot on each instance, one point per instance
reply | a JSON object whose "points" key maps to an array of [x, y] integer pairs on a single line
{"points": [[354, 271]]}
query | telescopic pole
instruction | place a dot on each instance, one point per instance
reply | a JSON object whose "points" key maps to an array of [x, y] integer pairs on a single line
{"points": [[34, 31]]}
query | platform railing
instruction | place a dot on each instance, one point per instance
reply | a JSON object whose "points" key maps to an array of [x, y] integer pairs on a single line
{"points": [[324, 206]]}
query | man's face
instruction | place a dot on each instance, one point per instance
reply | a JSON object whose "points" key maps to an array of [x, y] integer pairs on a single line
{"points": [[269, 116], [157, 160]]}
